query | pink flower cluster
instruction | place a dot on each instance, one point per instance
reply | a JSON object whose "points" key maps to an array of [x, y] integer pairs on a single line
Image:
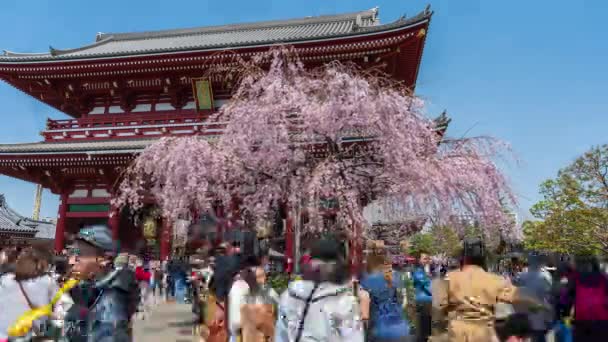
{"points": [[296, 136]]}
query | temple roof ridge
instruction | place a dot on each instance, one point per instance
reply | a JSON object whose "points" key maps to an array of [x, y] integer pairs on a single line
{"points": [[55, 52], [241, 35], [370, 14], [8, 53]]}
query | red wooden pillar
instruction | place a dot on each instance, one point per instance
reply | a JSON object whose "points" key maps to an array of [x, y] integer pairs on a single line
{"points": [[220, 224], [289, 240], [356, 250], [114, 224], [165, 239], [61, 222]]}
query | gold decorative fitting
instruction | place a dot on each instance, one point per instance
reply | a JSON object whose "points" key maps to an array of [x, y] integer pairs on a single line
{"points": [[149, 228], [421, 33]]}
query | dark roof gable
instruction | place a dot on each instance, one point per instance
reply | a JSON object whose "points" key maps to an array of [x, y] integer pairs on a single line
{"points": [[368, 18], [11, 221], [225, 36]]}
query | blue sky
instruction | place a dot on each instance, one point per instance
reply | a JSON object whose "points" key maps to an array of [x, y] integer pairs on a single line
{"points": [[532, 73]]}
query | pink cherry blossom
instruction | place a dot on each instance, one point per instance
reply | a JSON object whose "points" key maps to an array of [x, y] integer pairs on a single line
{"points": [[295, 136]]}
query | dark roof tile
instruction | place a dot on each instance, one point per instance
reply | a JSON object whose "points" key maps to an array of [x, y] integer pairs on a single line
{"points": [[215, 37], [12, 222]]}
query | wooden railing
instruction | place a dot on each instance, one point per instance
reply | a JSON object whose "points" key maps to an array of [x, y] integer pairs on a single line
{"points": [[130, 126], [122, 120]]}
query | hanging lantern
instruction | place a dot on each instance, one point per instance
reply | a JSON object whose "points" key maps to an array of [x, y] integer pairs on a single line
{"points": [[404, 246], [149, 228], [263, 229]]}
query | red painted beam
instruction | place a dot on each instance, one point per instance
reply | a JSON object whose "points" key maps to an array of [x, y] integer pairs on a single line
{"points": [[90, 200], [88, 215]]}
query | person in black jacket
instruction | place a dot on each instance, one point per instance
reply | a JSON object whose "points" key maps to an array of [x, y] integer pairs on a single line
{"points": [[106, 298]]}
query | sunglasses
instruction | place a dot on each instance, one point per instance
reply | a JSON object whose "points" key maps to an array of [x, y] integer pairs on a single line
{"points": [[74, 251]]}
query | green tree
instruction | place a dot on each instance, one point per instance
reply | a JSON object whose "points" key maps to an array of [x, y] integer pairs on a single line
{"points": [[446, 241], [422, 243], [572, 217]]}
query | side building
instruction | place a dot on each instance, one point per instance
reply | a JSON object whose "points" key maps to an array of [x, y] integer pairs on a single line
{"points": [[17, 230]]}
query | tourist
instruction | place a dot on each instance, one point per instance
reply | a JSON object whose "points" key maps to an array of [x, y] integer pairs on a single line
{"points": [[320, 307], [104, 301], [251, 302], [144, 276], [468, 298], [236, 297], [157, 282], [27, 287], [227, 265], [380, 301], [169, 280], [424, 299], [536, 284], [219, 285], [179, 274], [587, 293]]}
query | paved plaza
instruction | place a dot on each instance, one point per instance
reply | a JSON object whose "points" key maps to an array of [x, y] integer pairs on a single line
{"points": [[168, 322]]}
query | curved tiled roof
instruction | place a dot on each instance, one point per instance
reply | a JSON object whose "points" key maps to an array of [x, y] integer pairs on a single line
{"points": [[12, 222], [226, 36], [109, 146]]}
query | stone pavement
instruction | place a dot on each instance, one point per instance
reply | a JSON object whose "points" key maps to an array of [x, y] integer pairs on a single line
{"points": [[168, 322]]}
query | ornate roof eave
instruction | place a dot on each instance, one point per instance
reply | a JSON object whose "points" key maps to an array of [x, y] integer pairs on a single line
{"points": [[371, 14], [441, 123], [57, 55], [17, 223]]}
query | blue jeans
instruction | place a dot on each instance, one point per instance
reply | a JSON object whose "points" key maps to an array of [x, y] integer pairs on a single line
{"points": [[180, 291]]}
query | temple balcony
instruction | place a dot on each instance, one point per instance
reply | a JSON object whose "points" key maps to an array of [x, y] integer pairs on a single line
{"points": [[130, 126]]}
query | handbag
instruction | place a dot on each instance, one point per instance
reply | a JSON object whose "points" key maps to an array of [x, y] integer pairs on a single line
{"points": [[34, 333], [25, 323], [218, 331]]}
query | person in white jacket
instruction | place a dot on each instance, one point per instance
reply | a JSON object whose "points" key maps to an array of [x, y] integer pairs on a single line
{"points": [[322, 306], [244, 290], [249, 287]]}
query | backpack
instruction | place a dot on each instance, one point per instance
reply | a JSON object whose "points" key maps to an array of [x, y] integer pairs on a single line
{"points": [[386, 313], [591, 302]]}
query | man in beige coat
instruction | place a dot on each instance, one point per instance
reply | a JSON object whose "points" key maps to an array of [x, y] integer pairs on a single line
{"points": [[467, 298]]}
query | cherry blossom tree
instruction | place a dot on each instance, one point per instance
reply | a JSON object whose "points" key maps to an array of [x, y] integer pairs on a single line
{"points": [[295, 136]]}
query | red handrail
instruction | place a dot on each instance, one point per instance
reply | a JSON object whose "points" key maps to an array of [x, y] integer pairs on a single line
{"points": [[126, 120]]}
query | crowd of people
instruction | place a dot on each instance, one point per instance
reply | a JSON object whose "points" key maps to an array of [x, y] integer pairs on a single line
{"points": [[90, 294], [85, 293], [463, 302]]}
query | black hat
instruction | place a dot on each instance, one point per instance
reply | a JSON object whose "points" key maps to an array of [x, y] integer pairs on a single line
{"points": [[97, 235], [325, 250], [473, 248]]}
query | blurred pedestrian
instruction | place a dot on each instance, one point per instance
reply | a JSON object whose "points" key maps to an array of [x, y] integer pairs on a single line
{"points": [[587, 294], [105, 299], [468, 298], [536, 284], [380, 301], [321, 307], [144, 276], [28, 287], [423, 297]]}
